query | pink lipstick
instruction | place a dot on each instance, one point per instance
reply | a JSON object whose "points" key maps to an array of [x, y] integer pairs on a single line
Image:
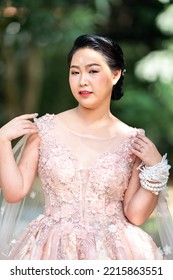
{"points": [[85, 93]]}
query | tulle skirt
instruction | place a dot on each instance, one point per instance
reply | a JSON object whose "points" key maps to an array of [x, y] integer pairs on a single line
{"points": [[47, 239]]}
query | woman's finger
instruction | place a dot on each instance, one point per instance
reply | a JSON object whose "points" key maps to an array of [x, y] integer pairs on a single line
{"points": [[143, 138], [28, 116]]}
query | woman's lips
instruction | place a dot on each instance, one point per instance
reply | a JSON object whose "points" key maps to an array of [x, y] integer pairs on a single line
{"points": [[85, 92]]}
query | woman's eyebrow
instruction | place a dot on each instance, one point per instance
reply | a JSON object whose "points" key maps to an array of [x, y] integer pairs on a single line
{"points": [[93, 64], [88, 65]]}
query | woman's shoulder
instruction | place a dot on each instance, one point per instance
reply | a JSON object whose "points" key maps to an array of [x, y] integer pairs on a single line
{"points": [[65, 116], [47, 121], [127, 130]]}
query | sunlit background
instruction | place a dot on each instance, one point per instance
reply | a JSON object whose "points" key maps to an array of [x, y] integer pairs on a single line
{"points": [[36, 35]]}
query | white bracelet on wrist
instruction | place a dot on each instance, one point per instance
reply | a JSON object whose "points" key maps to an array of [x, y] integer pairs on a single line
{"points": [[154, 178]]}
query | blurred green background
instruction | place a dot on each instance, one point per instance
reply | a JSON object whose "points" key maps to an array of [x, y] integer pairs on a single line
{"points": [[36, 35]]}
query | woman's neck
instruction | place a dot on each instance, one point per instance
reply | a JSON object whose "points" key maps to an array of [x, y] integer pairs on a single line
{"points": [[93, 118]]}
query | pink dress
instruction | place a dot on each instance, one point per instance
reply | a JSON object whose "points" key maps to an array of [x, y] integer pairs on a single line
{"points": [[84, 178]]}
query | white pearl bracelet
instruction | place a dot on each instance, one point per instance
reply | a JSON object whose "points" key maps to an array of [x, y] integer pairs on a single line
{"points": [[154, 178]]}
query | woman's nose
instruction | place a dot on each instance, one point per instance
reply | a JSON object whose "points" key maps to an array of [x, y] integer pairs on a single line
{"points": [[83, 80]]}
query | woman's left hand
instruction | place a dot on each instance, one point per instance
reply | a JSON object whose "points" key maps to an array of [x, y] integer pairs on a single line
{"points": [[145, 149]]}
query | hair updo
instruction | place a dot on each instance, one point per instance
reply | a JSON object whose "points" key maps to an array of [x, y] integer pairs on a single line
{"points": [[110, 50]]}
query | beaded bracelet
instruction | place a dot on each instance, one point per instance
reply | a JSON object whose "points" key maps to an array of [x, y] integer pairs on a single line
{"points": [[154, 178]]}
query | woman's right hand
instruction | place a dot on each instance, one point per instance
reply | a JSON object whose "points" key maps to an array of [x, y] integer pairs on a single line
{"points": [[17, 127]]}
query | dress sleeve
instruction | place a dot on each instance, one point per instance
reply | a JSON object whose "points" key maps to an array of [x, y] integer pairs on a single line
{"points": [[140, 131], [44, 124]]}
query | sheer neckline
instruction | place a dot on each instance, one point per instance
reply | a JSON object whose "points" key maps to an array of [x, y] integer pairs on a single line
{"points": [[48, 123], [89, 136]]}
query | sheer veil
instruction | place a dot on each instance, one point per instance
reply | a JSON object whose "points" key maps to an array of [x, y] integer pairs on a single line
{"points": [[165, 225], [15, 217]]}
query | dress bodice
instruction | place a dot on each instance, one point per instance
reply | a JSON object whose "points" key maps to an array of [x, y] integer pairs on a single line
{"points": [[83, 176]]}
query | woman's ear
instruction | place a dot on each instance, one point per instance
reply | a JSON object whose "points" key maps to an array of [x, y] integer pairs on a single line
{"points": [[116, 76]]}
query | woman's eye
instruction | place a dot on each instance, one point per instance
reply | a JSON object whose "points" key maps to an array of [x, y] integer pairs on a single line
{"points": [[93, 71], [74, 73]]}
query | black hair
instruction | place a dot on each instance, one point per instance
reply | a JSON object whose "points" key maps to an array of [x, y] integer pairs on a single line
{"points": [[110, 50]]}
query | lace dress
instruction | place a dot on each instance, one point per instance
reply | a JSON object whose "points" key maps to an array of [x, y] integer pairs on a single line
{"points": [[84, 179]]}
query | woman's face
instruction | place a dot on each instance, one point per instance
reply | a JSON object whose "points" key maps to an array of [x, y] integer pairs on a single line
{"points": [[91, 80]]}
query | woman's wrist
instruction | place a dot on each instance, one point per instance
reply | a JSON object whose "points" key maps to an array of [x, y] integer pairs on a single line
{"points": [[154, 161], [154, 178]]}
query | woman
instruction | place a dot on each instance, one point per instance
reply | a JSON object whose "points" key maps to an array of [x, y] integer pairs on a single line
{"points": [[100, 177]]}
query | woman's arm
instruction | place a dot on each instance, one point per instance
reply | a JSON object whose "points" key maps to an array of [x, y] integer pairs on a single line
{"points": [[16, 180], [138, 202]]}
